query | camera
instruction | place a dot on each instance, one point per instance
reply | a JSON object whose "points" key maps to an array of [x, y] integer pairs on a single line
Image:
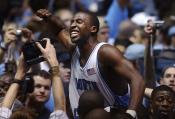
{"points": [[158, 24], [28, 84], [18, 32], [32, 54]]}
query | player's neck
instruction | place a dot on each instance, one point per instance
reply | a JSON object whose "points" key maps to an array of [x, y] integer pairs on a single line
{"points": [[87, 49]]}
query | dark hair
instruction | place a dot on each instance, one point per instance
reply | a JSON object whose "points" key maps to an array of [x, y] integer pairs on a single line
{"points": [[90, 100], [93, 19], [162, 88], [23, 113], [98, 113], [165, 68], [42, 73]]}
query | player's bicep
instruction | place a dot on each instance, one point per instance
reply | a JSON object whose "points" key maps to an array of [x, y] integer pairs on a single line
{"points": [[125, 68], [114, 59]]}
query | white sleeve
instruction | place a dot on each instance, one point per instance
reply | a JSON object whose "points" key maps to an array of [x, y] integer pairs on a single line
{"points": [[5, 113], [58, 114]]}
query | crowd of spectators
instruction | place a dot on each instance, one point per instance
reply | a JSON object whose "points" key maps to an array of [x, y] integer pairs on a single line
{"points": [[42, 90]]}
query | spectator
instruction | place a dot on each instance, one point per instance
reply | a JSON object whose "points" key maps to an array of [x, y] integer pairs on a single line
{"points": [[117, 8], [167, 71], [65, 15], [167, 78], [103, 33], [162, 103]]}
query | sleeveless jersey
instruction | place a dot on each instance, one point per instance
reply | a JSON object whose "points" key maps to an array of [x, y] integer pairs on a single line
{"points": [[89, 78]]}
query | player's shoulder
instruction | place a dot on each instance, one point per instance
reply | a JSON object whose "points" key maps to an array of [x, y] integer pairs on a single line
{"points": [[109, 53], [108, 49]]}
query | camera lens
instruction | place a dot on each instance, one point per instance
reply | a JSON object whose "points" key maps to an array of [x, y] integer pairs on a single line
{"points": [[18, 32], [158, 24]]}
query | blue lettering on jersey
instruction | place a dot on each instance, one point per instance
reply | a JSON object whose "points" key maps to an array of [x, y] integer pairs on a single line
{"points": [[83, 84]]}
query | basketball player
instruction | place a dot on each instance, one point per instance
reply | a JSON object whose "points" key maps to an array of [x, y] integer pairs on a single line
{"points": [[96, 66]]}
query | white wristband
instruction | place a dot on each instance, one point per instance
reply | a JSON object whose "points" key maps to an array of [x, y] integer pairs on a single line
{"points": [[132, 113]]}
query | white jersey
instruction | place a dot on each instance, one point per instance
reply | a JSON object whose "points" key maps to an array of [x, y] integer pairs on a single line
{"points": [[87, 78]]}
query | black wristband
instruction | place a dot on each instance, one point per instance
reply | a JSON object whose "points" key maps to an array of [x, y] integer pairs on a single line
{"points": [[17, 81]]}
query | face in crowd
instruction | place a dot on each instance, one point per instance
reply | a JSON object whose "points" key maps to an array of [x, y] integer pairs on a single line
{"points": [[42, 88], [103, 34], [169, 78], [163, 103]]}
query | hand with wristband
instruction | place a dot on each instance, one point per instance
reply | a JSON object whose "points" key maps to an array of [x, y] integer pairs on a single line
{"points": [[49, 54], [14, 87]]}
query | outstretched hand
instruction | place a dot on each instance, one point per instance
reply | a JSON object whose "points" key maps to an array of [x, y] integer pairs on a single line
{"points": [[48, 52], [27, 34], [54, 23], [43, 13]]}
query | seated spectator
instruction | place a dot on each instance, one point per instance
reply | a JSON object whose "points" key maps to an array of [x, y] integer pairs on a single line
{"points": [[162, 103]]}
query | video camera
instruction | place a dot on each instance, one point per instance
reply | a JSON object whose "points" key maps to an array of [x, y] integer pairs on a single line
{"points": [[26, 85], [32, 53], [158, 24]]}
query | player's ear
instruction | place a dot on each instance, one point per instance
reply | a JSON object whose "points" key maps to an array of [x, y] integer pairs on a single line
{"points": [[93, 29]]}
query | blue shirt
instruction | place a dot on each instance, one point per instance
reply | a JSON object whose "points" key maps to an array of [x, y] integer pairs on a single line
{"points": [[114, 17]]}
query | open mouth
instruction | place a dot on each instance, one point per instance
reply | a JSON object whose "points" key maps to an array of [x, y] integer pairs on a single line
{"points": [[74, 33], [164, 112]]}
